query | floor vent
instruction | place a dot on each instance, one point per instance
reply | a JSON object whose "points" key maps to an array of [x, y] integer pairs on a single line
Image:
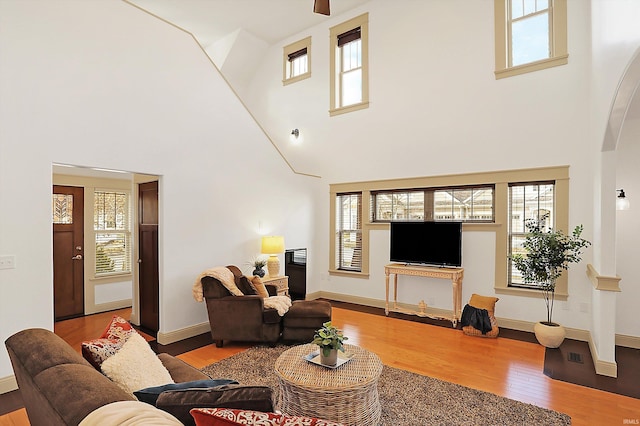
{"points": [[575, 357]]}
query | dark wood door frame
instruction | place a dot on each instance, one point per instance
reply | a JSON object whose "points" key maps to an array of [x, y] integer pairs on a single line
{"points": [[148, 269]]}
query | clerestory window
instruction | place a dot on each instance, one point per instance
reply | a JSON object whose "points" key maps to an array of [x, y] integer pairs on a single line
{"points": [[296, 61], [349, 66], [530, 35]]}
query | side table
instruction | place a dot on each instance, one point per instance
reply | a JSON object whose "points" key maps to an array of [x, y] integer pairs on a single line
{"points": [[347, 394], [281, 282]]}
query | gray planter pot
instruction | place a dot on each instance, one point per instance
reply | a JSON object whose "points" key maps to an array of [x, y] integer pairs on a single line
{"points": [[331, 359]]}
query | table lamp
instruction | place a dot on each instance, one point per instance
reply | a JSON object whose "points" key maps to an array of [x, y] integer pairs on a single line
{"points": [[273, 245]]}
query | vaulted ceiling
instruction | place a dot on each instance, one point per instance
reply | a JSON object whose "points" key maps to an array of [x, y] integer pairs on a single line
{"points": [[268, 20]]}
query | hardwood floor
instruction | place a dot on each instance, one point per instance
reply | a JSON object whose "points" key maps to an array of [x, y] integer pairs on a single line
{"points": [[506, 367]]}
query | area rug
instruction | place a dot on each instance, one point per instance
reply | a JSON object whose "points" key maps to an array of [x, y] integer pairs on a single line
{"points": [[406, 398]]}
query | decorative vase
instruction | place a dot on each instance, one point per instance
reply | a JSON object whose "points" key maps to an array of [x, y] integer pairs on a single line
{"points": [[259, 272], [331, 359], [549, 334]]}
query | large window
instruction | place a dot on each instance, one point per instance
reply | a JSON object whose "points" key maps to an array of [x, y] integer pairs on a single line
{"points": [[530, 201], [467, 204], [496, 202], [349, 66], [111, 223], [530, 35], [296, 61], [349, 232]]}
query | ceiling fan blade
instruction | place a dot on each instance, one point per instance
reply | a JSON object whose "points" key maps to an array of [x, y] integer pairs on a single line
{"points": [[321, 6]]}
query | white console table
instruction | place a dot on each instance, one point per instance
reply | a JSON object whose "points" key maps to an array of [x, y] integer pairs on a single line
{"points": [[453, 274]]}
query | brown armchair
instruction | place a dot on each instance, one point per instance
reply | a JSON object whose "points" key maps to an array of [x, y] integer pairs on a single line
{"points": [[240, 318]]}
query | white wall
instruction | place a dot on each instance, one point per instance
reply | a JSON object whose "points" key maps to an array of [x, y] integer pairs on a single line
{"points": [[436, 108], [616, 38], [103, 84], [628, 230]]}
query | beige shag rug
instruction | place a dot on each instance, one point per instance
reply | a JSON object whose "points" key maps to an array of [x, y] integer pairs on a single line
{"points": [[406, 398]]}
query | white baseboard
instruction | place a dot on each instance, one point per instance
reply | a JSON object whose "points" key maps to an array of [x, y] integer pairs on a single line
{"points": [[628, 341], [604, 368], [8, 384], [338, 297], [183, 333], [572, 333]]}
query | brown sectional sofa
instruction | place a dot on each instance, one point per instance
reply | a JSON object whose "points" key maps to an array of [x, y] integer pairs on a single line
{"points": [[59, 387]]}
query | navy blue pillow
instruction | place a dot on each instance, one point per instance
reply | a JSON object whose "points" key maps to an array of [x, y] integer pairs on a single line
{"points": [[150, 395]]}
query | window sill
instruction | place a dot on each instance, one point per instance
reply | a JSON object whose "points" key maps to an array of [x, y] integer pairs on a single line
{"points": [[351, 274], [532, 66], [349, 108], [113, 276], [296, 78], [525, 292]]}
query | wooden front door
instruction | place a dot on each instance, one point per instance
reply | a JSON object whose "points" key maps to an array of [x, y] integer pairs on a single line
{"points": [[68, 254], [148, 277]]}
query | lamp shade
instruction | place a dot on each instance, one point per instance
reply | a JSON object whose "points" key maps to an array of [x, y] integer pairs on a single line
{"points": [[622, 203], [273, 244]]}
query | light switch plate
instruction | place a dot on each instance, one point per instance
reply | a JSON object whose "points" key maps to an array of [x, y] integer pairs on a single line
{"points": [[7, 262]]}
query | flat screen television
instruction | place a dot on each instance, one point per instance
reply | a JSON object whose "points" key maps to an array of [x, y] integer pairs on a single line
{"points": [[428, 243]]}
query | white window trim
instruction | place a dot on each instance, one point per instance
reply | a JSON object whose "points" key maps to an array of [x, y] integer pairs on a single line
{"points": [[361, 21], [558, 39], [291, 48]]}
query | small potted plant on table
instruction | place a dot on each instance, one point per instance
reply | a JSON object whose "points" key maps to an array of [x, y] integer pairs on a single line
{"points": [[548, 254], [329, 339], [258, 263]]}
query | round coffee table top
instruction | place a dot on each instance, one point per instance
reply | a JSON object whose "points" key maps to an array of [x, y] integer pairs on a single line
{"points": [[361, 370]]}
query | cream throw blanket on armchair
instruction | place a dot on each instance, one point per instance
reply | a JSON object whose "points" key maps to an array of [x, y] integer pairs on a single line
{"points": [[220, 273], [225, 276]]}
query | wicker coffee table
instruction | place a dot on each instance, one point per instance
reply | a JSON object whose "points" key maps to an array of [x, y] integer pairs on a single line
{"points": [[347, 394]]}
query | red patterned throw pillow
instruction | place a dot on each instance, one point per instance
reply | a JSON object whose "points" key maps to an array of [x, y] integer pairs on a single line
{"points": [[117, 332], [118, 328], [96, 351], [227, 416]]}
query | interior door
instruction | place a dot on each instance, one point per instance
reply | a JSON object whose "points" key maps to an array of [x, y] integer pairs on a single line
{"points": [[68, 262], [148, 276]]}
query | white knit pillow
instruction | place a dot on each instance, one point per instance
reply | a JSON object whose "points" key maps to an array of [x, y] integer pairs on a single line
{"points": [[135, 366]]}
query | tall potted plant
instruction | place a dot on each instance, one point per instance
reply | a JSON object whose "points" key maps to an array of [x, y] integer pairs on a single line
{"points": [[547, 255]]}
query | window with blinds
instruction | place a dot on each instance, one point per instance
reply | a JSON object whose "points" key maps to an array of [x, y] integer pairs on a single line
{"points": [[349, 65], [350, 75], [466, 204], [296, 61], [528, 201], [349, 232], [112, 229]]}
